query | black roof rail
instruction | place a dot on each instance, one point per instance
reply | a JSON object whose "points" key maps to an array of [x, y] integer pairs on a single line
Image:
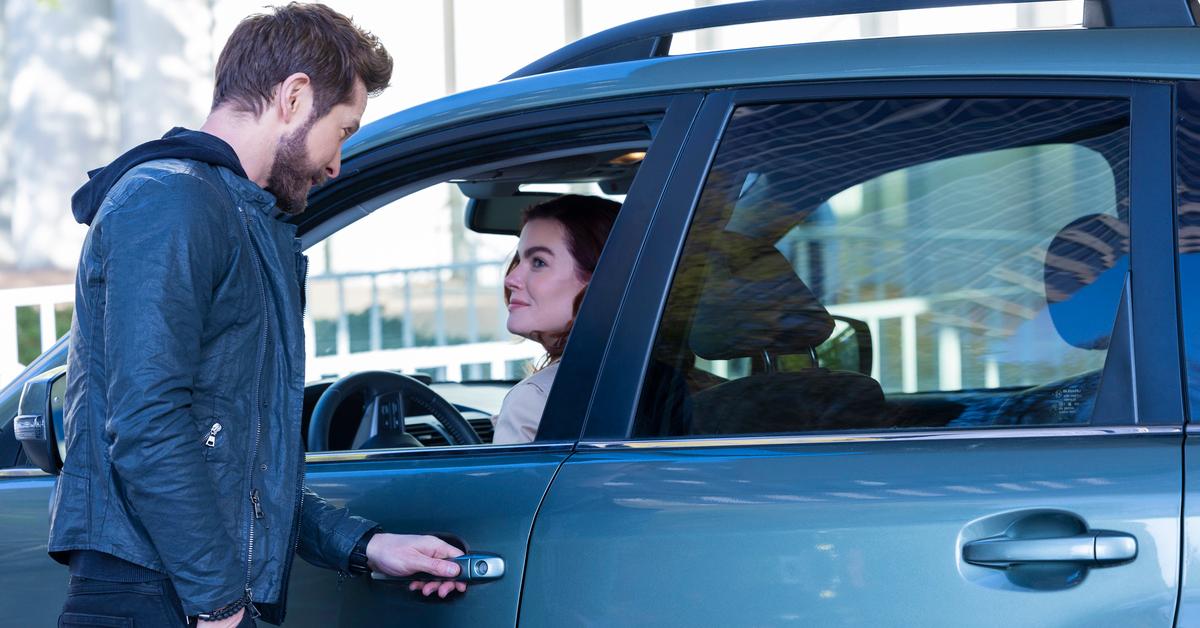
{"points": [[651, 37]]}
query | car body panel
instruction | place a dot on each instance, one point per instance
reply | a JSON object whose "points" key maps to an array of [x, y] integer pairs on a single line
{"points": [[854, 532], [487, 498], [38, 582], [1189, 593]]}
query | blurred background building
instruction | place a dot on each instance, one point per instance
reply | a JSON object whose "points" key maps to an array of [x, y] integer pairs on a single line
{"points": [[81, 81]]}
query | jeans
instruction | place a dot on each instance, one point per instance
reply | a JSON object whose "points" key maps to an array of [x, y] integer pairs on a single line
{"points": [[103, 603]]}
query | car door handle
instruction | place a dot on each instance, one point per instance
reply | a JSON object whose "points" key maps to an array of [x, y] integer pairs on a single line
{"points": [[1093, 548], [473, 567]]}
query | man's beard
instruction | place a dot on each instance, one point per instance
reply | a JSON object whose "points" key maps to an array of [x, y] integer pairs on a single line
{"points": [[291, 175]]}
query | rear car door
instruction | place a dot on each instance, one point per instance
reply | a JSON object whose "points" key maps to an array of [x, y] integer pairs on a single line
{"points": [[903, 353]]}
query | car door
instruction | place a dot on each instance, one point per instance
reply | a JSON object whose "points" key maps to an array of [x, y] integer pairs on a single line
{"points": [[1006, 450], [1187, 146], [482, 497], [37, 586]]}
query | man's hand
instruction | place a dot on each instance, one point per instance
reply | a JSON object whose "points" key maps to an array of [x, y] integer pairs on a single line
{"points": [[404, 555], [229, 622]]}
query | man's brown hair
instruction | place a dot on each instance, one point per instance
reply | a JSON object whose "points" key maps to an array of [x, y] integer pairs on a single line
{"points": [[267, 48]]}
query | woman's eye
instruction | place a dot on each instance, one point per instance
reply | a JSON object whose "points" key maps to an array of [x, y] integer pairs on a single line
{"points": [[538, 262]]}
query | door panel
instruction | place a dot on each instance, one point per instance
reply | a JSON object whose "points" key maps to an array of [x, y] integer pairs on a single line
{"points": [[35, 586], [487, 499], [860, 517], [848, 534]]}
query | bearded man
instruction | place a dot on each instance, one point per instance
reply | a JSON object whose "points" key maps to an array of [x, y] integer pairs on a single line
{"points": [[182, 497]]}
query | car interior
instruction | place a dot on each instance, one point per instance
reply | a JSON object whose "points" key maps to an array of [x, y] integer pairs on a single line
{"points": [[351, 413], [749, 325]]}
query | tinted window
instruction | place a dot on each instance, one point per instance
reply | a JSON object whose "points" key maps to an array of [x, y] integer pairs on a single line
{"points": [[1188, 171], [898, 263]]}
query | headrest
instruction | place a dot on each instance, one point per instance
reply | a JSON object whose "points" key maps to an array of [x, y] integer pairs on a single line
{"points": [[1086, 264], [754, 302]]}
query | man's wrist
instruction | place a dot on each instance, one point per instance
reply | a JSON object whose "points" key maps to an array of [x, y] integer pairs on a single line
{"points": [[227, 611], [358, 563]]}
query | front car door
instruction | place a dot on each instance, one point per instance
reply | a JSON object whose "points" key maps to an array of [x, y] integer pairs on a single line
{"points": [[484, 497], [1003, 446]]}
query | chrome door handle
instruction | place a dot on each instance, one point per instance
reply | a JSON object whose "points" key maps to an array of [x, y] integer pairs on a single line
{"points": [[473, 567], [1093, 548]]}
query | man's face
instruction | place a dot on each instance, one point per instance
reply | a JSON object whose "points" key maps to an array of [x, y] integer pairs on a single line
{"points": [[312, 154]]}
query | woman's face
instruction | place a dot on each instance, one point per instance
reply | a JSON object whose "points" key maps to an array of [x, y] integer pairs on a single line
{"points": [[543, 285]]}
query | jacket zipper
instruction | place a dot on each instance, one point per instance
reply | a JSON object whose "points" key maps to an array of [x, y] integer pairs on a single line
{"points": [[211, 439], [287, 568], [256, 512]]}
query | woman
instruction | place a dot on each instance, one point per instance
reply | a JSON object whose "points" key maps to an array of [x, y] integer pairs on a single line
{"points": [[560, 244]]}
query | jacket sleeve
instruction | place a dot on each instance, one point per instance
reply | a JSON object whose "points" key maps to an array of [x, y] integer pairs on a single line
{"points": [[328, 533], [161, 251]]}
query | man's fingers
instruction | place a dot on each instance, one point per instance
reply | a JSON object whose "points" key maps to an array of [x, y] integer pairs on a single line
{"points": [[446, 588], [441, 549], [437, 567], [461, 586], [429, 588]]}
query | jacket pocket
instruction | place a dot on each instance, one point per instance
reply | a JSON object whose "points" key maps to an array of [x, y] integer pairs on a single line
{"points": [[78, 620]]}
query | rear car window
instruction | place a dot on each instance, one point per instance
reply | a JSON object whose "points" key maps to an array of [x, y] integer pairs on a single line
{"points": [[868, 264]]}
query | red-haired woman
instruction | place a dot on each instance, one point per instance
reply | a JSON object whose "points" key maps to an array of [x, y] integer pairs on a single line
{"points": [[560, 244]]}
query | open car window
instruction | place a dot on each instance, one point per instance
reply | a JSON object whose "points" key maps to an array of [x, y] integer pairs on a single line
{"points": [[416, 287], [879, 264]]}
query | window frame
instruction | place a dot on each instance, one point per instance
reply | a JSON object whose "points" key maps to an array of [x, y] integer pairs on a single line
{"points": [[398, 169], [1155, 369]]}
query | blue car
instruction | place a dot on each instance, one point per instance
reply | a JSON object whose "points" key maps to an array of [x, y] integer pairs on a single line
{"points": [[888, 332]]}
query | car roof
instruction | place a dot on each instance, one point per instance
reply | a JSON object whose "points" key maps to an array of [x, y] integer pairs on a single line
{"points": [[1156, 53]]}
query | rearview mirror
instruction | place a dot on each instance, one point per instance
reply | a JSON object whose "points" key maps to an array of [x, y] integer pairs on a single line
{"points": [[39, 422], [502, 214]]}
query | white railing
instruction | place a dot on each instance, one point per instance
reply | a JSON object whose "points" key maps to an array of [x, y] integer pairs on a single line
{"points": [[45, 299], [448, 358], [451, 358], [949, 341]]}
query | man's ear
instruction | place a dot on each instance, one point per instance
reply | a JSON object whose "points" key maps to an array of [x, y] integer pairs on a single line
{"points": [[294, 98]]}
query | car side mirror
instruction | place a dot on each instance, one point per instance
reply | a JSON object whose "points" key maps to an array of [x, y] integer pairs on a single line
{"points": [[849, 347], [39, 422]]}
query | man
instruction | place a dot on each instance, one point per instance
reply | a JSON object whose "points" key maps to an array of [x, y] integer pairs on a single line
{"points": [[182, 495]]}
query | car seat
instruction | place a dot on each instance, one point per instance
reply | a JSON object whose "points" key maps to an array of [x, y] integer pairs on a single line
{"points": [[754, 305]]}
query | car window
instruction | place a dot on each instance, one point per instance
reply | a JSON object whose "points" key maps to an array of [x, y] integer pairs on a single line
{"points": [[1188, 220], [869, 264], [410, 288]]}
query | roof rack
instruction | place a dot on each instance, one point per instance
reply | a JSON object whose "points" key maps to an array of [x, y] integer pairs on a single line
{"points": [[651, 37]]}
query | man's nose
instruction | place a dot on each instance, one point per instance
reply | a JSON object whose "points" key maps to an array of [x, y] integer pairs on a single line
{"points": [[334, 168]]}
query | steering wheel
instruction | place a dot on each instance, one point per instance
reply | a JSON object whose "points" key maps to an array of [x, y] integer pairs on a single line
{"points": [[386, 393]]}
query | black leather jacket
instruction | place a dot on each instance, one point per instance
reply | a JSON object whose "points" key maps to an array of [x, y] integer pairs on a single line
{"points": [[184, 392]]}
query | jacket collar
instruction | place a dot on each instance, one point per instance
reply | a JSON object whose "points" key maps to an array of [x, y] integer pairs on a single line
{"points": [[249, 193]]}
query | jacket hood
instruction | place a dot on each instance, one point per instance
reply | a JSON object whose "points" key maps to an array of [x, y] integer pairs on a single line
{"points": [[178, 143]]}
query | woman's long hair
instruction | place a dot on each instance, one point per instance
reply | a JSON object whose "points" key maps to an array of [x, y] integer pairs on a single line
{"points": [[587, 221]]}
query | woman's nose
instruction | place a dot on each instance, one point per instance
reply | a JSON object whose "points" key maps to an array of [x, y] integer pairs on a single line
{"points": [[512, 280]]}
